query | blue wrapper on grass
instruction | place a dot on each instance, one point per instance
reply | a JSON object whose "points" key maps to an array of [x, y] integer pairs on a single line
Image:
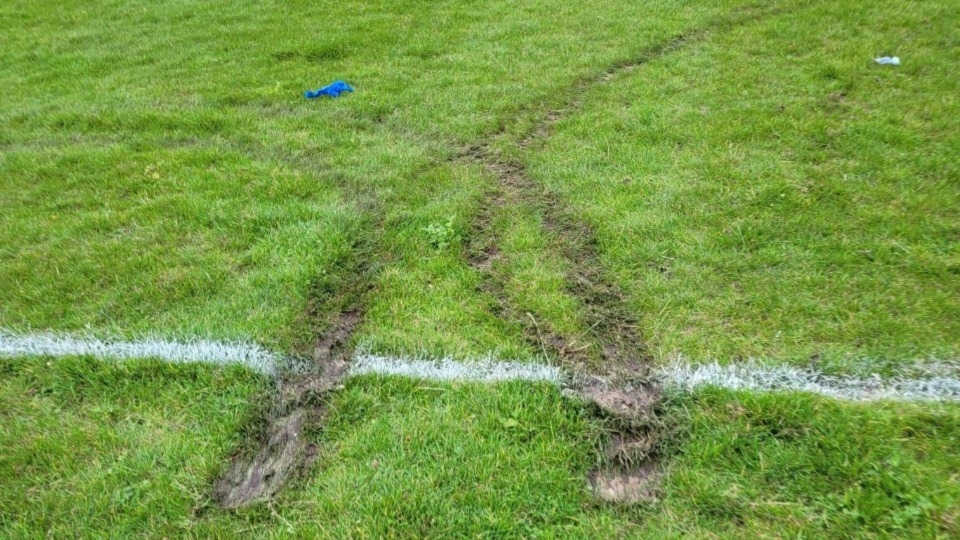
{"points": [[333, 90]]}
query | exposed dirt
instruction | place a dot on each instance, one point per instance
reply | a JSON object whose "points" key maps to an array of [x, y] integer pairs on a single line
{"points": [[283, 452], [630, 403], [611, 352], [616, 386], [332, 354], [635, 486], [628, 409]]}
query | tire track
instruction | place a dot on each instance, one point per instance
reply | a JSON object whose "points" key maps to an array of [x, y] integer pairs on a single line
{"points": [[618, 386], [281, 451], [300, 407]]}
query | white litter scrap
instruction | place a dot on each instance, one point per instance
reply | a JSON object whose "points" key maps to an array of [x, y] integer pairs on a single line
{"points": [[766, 378], [487, 370], [203, 351], [888, 60]]}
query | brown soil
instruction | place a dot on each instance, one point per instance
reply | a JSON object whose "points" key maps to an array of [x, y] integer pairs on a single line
{"points": [[282, 451], [636, 486]]}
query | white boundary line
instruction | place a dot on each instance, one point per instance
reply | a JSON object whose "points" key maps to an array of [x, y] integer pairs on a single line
{"points": [[780, 378], [209, 352], [486, 370], [936, 381]]}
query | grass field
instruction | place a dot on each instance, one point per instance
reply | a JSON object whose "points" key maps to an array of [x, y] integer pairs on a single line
{"points": [[743, 178]]}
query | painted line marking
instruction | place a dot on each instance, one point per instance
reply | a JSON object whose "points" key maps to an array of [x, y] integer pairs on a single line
{"points": [[486, 370], [780, 378], [203, 351], [937, 381]]}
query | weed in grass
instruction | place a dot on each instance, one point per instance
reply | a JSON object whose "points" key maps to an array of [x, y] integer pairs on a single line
{"points": [[442, 235]]}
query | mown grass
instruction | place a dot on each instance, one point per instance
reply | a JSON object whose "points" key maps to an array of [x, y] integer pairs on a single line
{"points": [[94, 449], [169, 177], [771, 192], [91, 449], [794, 466], [765, 190]]}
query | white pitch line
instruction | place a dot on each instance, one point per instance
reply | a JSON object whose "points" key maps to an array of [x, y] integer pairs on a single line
{"points": [[935, 383], [780, 378], [486, 370], [210, 352]]}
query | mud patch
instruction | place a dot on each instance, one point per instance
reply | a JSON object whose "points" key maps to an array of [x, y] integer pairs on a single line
{"points": [[628, 412], [630, 403], [283, 453], [627, 487], [332, 354], [263, 476]]}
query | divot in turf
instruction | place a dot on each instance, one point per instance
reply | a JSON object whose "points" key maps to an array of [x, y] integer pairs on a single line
{"points": [[635, 486]]}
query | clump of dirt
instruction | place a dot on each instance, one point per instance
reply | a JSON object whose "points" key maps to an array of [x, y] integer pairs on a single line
{"points": [[628, 411], [331, 353], [282, 451], [630, 487], [630, 403], [280, 456]]}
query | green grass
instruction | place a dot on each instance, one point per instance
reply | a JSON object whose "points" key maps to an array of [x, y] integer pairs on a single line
{"points": [[771, 192], [765, 190], [794, 466], [170, 178], [121, 450], [118, 450]]}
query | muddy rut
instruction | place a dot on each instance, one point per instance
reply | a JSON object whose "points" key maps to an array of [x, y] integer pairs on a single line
{"points": [[609, 361], [617, 385], [282, 452], [300, 405]]}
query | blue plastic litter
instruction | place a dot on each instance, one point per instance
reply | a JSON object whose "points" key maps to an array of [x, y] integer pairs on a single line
{"points": [[333, 90]]}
